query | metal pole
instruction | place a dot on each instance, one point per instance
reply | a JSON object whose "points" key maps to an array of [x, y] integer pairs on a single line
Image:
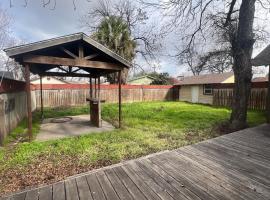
{"points": [[120, 99], [29, 107], [41, 98]]}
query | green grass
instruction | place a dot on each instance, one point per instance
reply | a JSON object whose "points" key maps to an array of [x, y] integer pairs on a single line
{"points": [[147, 128]]}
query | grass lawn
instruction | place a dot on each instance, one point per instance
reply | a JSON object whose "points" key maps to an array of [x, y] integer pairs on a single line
{"points": [[147, 128]]}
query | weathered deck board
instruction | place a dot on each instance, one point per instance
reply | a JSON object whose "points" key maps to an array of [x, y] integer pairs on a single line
{"points": [[233, 166]]}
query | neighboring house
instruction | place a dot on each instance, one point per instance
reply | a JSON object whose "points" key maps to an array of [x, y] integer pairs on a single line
{"points": [[6, 74], [48, 80], [199, 89], [142, 80]]}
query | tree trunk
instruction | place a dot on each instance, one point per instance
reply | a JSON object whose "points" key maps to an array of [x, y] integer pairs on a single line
{"points": [[242, 51], [113, 78]]}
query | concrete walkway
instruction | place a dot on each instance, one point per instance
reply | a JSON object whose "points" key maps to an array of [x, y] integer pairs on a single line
{"points": [[78, 125], [234, 166]]}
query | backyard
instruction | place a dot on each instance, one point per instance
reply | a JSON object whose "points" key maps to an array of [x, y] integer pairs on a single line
{"points": [[147, 128]]}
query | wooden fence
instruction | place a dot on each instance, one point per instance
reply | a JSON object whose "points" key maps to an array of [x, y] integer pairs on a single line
{"points": [[257, 99], [12, 105], [76, 94]]}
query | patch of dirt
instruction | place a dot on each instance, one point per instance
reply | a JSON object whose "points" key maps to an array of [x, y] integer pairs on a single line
{"points": [[223, 128], [44, 171]]}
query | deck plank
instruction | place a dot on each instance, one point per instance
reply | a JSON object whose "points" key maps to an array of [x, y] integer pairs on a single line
{"points": [[32, 195], [45, 193], [229, 186], [120, 189], [129, 184], [96, 190], [71, 189], [171, 180], [234, 166], [174, 193], [59, 191], [106, 186], [260, 172], [186, 168], [20, 196], [143, 187], [191, 184], [244, 183], [83, 189]]}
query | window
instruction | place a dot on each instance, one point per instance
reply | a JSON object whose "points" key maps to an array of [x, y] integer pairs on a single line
{"points": [[207, 90]]}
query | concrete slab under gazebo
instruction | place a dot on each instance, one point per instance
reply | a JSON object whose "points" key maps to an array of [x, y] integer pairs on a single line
{"points": [[263, 59], [75, 55]]}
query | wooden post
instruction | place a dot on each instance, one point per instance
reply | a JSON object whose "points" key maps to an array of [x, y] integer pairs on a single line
{"points": [[120, 99], [95, 87], [29, 107], [268, 98], [41, 98], [81, 51], [91, 88], [99, 87], [90, 96]]}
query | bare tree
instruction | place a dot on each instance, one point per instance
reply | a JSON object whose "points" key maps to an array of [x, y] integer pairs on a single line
{"points": [[193, 18], [51, 4], [7, 40]]}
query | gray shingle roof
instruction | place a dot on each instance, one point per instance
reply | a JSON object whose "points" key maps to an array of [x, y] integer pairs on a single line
{"points": [[205, 79], [262, 58]]}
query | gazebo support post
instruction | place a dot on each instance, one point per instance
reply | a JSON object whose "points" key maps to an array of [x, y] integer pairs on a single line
{"points": [[99, 87], [29, 107], [95, 87], [268, 98], [41, 98], [90, 95], [120, 99]]}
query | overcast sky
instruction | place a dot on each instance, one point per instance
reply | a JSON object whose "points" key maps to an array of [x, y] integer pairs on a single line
{"points": [[33, 23]]}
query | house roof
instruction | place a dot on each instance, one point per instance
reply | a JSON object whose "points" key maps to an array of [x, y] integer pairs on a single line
{"points": [[205, 79], [37, 78], [140, 77], [45, 44], [262, 58], [260, 79], [6, 74]]}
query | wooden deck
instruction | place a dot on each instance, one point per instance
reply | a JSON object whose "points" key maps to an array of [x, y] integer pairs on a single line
{"points": [[234, 166]]}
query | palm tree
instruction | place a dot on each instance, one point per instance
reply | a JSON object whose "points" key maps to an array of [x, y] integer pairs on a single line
{"points": [[114, 33]]}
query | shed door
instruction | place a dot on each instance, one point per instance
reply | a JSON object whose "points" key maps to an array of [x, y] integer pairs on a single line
{"points": [[194, 94]]}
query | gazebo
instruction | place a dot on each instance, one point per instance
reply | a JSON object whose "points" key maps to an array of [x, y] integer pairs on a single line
{"points": [[263, 59], [75, 55]]}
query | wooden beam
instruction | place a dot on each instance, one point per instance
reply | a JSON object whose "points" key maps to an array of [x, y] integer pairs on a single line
{"points": [[64, 74], [79, 62], [91, 56], [68, 52], [268, 98], [81, 51], [29, 103], [76, 70], [119, 99], [59, 67]]}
